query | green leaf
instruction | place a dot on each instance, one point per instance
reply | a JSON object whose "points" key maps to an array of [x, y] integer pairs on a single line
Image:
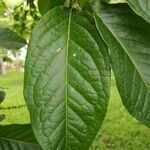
{"points": [[128, 38], [10, 40], [17, 137], [45, 5], [67, 80], [141, 7]]}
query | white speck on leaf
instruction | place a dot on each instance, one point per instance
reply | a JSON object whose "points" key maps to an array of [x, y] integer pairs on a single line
{"points": [[58, 50], [74, 55]]}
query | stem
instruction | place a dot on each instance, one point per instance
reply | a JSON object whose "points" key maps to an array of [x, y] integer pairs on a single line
{"points": [[67, 3], [71, 4]]}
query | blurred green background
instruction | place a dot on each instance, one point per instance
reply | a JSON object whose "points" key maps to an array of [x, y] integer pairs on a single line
{"points": [[119, 131]]}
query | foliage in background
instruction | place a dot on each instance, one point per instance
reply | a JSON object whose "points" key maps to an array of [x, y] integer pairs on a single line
{"points": [[22, 18], [25, 18], [10, 40], [2, 6]]}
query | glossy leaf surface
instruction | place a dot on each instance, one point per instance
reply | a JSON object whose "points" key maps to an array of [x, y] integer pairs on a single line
{"points": [[128, 38], [67, 80], [17, 137]]}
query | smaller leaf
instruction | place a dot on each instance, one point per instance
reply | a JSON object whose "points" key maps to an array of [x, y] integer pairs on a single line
{"points": [[17, 137], [10, 40]]}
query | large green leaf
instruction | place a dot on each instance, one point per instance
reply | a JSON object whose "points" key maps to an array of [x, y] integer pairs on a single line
{"points": [[17, 137], [67, 80], [141, 7], [128, 38], [10, 40]]}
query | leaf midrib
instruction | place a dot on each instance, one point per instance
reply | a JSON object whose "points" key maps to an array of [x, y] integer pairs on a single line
{"points": [[66, 74]]}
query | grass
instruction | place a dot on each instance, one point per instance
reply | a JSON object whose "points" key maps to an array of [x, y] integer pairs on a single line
{"points": [[119, 131], [13, 86]]}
